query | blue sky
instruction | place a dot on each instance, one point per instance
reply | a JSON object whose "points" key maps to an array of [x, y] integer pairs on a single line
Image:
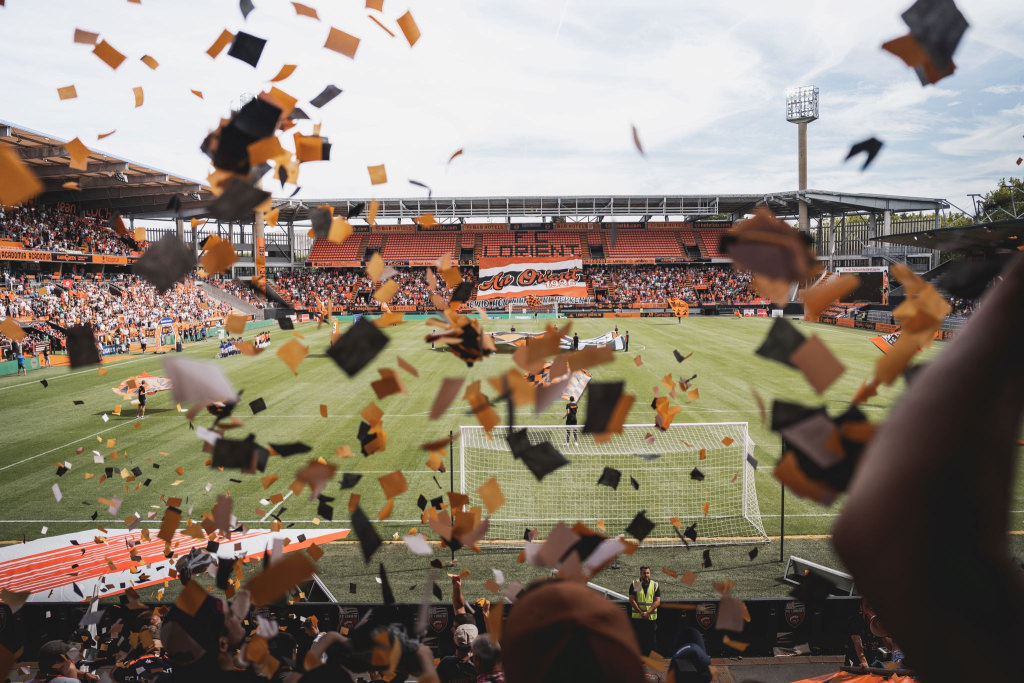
{"points": [[542, 95]]}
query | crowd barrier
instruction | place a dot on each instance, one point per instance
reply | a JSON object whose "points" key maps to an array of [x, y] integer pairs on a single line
{"points": [[10, 367], [885, 328]]}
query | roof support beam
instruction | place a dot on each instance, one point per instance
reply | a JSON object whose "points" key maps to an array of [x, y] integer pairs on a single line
{"points": [[57, 170], [110, 181], [110, 194], [190, 210], [43, 152]]}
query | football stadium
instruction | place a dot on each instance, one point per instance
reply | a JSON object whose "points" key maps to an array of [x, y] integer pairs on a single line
{"points": [[257, 430]]}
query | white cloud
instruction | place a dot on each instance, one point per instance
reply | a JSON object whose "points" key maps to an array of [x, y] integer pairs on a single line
{"points": [[1007, 89], [996, 132], [540, 94]]}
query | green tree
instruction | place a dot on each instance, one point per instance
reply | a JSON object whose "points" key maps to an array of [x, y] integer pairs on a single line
{"points": [[1004, 202]]}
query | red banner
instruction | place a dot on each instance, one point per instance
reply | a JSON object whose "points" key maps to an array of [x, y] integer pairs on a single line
{"points": [[511, 278]]}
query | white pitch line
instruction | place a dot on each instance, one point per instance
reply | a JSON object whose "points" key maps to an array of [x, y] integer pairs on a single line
{"points": [[286, 497], [157, 521], [69, 443], [320, 417]]}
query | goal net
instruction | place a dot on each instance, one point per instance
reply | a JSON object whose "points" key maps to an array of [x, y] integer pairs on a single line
{"points": [[723, 505]]}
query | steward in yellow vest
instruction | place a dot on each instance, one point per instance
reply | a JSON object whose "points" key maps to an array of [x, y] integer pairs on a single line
{"points": [[644, 598]]}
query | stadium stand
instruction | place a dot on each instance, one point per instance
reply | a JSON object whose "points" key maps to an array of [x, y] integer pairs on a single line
{"points": [[325, 251], [504, 243], [708, 240], [418, 246], [594, 245], [613, 286], [644, 244], [697, 285], [344, 287], [118, 308], [39, 229], [240, 290]]}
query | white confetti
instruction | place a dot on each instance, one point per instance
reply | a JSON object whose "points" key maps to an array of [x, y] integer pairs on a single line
{"points": [[418, 544]]}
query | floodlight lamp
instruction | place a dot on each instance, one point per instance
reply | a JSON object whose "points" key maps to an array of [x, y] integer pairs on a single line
{"points": [[802, 104]]}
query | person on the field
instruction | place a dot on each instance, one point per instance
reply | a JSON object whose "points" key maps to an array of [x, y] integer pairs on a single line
{"points": [[142, 342], [21, 361], [570, 420], [46, 357], [644, 598], [575, 342], [141, 391], [625, 340]]}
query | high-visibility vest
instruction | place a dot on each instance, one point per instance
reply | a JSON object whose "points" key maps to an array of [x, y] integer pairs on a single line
{"points": [[644, 598]]}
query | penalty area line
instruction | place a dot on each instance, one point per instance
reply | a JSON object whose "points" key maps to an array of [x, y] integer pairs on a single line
{"points": [[69, 443]]}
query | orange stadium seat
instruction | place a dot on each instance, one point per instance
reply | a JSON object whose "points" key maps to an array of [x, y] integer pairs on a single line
{"points": [[349, 250], [709, 241], [413, 245], [645, 244]]}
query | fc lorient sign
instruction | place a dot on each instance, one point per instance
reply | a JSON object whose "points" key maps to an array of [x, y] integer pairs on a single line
{"points": [[514, 278], [538, 246]]}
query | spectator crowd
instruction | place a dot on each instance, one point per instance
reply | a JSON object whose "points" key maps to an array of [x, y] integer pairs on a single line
{"points": [[613, 287], [623, 286], [348, 287], [240, 290], [119, 309], [555, 630], [43, 230]]}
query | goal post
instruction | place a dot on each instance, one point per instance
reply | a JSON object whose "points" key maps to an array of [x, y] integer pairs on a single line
{"points": [[660, 464]]}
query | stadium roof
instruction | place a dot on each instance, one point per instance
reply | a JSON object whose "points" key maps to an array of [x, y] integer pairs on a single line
{"points": [[598, 207], [123, 186], [978, 237]]}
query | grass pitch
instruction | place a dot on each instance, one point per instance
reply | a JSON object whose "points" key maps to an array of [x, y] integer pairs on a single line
{"points": [[42, 427]]}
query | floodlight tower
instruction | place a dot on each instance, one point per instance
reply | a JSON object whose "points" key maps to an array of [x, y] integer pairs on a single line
{"points": [[801, 109]]}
